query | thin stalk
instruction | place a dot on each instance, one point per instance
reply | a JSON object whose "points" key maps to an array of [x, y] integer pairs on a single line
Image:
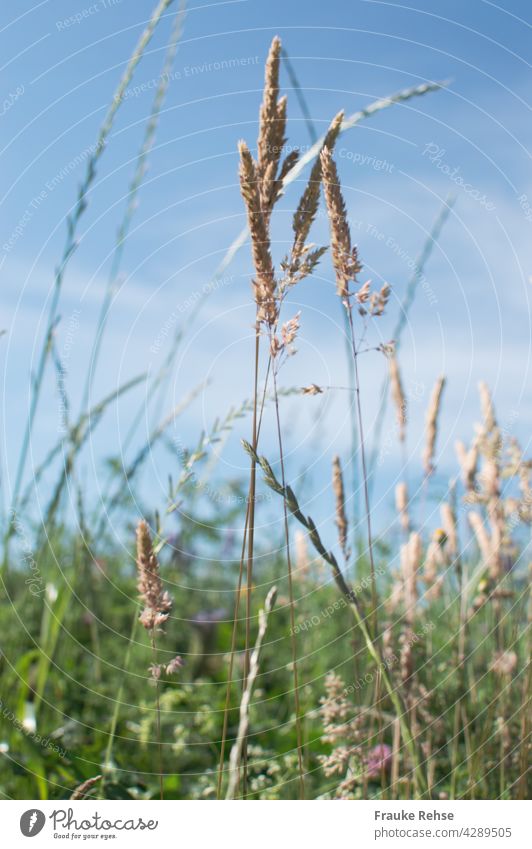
{"points": [[243, 726], [251, 537], [372, 645], [291, 599], [354, 429], [158, 713], [252, 493], [144, 405], [237, 608], [300, 96], [78, 436], [524, 708], [71, 243], [462, 684], [231, 660], [134, 188], [108, 505], [364, 473], [116, 710]]}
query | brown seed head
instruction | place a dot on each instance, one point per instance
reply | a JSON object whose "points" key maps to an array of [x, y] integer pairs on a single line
{"points": [[398, 395], [468, 463], [448, 520], [157, 602], [411, 554], [344, 257], [341, 518], [272, 124], [432, 426], [264, 283], [308, 205], [401, 504]]}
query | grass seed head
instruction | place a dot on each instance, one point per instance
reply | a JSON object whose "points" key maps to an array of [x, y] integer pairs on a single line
{"points": [[157, 602]]}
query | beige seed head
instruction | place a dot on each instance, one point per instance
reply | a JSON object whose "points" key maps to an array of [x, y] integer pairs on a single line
{"points": [[272, 114], [398, 395], [432, 426], [411, 554], [482, 537], [157, 602], [344, 257], [448, 520], [339, 493], [308, 205], [486, 404], [401, 505], [264, 284], [431, 578], [468, 463]]}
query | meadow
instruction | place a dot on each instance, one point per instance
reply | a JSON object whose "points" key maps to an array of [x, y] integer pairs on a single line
{"points": [[287, 658]]}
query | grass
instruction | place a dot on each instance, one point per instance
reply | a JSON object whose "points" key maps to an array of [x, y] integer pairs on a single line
{"points": [[410, 681]]}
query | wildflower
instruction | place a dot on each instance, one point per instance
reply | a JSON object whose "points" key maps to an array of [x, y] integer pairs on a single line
{"points": [[379, 760]]}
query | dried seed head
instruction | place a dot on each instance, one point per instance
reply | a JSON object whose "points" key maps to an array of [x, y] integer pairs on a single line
{"points": [[175, 664], [489, 436], [308, 205], [432, 426], [272, 119], [290, 329], [82, 789], [264, 283], [468, 463], [344, 257], [448, 520], [313, 389], [398, 396], [341, 518], [157, 602], [363, 294], [486, 404], [284, 344], [433, 561], [406, 641], [482, 537], [378, 301], [401, 504], [411, 554]]}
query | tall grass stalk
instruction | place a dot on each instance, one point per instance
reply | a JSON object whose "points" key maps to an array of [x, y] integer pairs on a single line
{"points": [[71, 243], [113, 499], [134, 188], [371, 644], [297, 705], [157, 605], [243, 726], [77, 436], [347, 267], [236, 610], [108, 758], [300, 96]]}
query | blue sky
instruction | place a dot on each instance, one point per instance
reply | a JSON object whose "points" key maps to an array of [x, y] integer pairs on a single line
{"points": [[61, 63]]}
